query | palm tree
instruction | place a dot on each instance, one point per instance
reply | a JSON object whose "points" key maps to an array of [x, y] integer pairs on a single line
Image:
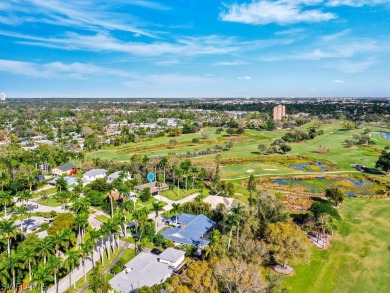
{"points": [[185, 166], [3, 179], [8, 230], [13, 263], [178, 174], [4, 272], [85, 250], [61, 184], [29, 255], [80, 156], [45, 248], [63, 197], [119, 220], [55, 264], [72, 258], [128, 206], [79, 206], [193, 171], [94, 236], [164, 163], [81, 221], [22, 211], [228, 223], [238, 210], [177, 209], [138, 216], [156, 208], [5, 200], [41, 276], [24, 196], [106, 234], [110, 189]]}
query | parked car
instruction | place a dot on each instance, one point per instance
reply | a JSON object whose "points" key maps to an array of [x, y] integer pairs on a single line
{"points": [[156, 251]]}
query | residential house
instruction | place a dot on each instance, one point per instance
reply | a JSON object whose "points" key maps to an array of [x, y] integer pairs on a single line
{"points": [[172, 257], [155, 187], [93, 174], [64, 170], [116, 175], [190, 230], [147, 269], [215, 200]]}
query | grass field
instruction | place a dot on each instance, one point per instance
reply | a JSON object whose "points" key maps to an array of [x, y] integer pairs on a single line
{"points": [[51, 202], [173, 194], [149, 204], [245, 146], [359, 258]]}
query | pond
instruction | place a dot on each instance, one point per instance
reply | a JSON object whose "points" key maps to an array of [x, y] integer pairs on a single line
{"points": [[386, 135], [310, 167], [350, 186]]}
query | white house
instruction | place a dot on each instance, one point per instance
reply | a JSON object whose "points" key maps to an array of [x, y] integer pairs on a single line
{"points": [[172, 257], [93, 174], [116, 175], [147, 269]]}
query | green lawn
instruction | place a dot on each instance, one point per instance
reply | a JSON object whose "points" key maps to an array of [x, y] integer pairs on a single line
{"points": [[173, 194], [359, 257], [245, 146], [149, 204], [102, 218], [51, 202], [46, 191]]}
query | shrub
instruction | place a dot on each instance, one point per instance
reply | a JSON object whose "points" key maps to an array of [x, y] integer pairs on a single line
{"points": [[145, 195], [95, 198], [318, 208], [62, 221]]}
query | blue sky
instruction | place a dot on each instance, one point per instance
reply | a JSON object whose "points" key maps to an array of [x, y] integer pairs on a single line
{"points": [[194, 48]]}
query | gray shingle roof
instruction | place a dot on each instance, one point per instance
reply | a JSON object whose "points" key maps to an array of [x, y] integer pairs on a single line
{"points": [[142, 270], [95, 172], [171, 254], [66, 167]]}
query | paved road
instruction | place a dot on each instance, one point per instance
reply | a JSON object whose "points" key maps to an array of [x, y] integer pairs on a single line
{"points": [[36, 207], [78, 273], [180, 201]]}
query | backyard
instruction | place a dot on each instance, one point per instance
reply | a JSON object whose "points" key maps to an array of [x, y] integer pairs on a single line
{"points": [[358, 259]]}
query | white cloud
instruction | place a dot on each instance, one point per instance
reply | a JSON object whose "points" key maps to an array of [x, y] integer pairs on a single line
{"points": [[341, 50], [91, 15], [262, 12], [247, 77], [149, 4], [353, 66], [339, 81], [356, 3], [182, 46], [230, 63], [335, 36], [56, 69]]}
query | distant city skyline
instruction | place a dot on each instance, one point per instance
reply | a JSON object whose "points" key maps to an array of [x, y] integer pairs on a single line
{"points": [[195, 48]]}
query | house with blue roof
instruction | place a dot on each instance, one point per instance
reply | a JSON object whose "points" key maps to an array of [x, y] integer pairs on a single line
{"points": [[190, 230]]}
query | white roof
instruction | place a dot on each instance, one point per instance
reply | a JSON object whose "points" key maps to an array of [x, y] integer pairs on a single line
{"points": [[172, 254], [142, 270], [95, 172], [214, 200]]}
